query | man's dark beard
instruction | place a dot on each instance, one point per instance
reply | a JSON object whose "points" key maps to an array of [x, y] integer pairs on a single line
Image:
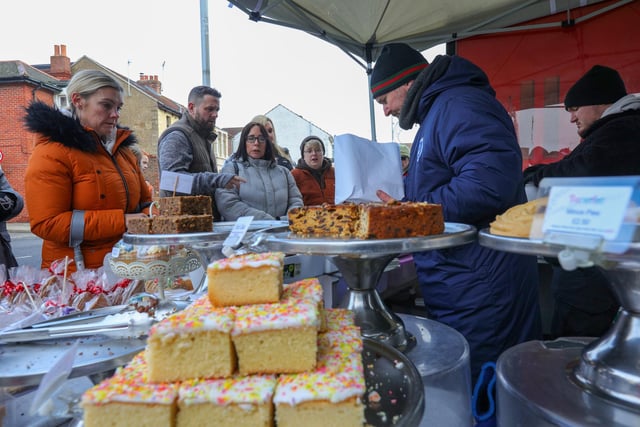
{"points": [[202, 126]]}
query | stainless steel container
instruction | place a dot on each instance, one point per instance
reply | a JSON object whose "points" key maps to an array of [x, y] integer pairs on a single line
{"points": [[441, 355], [536, 388]]}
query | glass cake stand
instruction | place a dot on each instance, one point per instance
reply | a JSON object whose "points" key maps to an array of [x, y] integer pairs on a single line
{"points": [[361, 263], [205, 247], [608, 366], [155, 269]]}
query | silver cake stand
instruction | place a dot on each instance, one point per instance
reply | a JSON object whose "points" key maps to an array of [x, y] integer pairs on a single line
{"points": [[608, 366], [361, 263]]}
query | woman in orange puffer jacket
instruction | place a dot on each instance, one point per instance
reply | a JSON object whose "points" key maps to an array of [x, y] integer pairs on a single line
{"points": [[81, 162]]}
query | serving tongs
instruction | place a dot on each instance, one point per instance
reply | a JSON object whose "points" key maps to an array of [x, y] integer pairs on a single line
{"points": [[120, 325], [80, 316], [121, 321]]}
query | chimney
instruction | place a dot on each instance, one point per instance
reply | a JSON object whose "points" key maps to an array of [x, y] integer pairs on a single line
{"points": [[151, 82], [60, 67]]}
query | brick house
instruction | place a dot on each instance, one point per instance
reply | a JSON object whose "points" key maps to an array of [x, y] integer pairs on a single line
{"points": [[21, 84]]}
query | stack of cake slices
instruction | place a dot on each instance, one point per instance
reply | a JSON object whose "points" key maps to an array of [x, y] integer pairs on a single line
{"points": [[253, 352], [184, 214]]}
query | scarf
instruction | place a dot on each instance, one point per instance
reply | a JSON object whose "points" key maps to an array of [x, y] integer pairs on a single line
{"points": [[409, 110]]}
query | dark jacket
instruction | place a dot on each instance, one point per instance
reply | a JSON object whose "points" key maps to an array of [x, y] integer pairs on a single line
{"points": [[611, 147], [69, 170], [465, 156], [317, 186], [584, 303], [11, 204]]}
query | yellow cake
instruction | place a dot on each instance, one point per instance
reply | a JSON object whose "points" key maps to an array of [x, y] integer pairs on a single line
{"points": [[330, 395], [193, 343], [249, 365], [337, 318], [231, 402], [246, 279], [279, 337], [128, 398]]}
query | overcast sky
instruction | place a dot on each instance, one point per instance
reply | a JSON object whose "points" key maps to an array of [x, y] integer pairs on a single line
{"points": [[256, 66]]}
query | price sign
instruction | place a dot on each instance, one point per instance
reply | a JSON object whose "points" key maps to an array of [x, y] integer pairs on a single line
{"points": [[234, 239], [595, 210]]}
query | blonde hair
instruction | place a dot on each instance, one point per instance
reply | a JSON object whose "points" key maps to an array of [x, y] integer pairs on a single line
{"points": [[263, 120], [87, 82]]}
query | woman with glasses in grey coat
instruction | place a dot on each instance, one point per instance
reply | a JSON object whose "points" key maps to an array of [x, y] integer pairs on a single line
{"points": [[270, 190]]}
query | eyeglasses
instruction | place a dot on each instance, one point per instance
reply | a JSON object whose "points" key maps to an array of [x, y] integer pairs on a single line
{"points": [[261, 139], [572, 109], [313, 150], [404, 157]]}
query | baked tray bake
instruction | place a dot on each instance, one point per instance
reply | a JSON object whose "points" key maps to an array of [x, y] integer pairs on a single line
{"points": [[394, 393]]}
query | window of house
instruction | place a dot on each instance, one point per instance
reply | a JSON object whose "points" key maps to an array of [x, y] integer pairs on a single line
{"points": [[61, 100], [527, 94], [552, 90]]}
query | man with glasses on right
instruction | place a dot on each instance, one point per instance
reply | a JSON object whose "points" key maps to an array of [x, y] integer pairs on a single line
{"points": [[608, 121]]}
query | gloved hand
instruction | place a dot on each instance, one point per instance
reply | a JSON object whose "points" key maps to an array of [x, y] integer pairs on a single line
{"points": [[7, 204]]}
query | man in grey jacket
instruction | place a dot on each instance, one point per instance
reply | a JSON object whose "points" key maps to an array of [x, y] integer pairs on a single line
{"points": [[187, 146], [11, 204]]}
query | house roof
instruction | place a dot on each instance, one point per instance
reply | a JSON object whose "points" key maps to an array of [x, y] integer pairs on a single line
{"points": [[232, 131], [280, 106], [14, 71], [164, 103]]}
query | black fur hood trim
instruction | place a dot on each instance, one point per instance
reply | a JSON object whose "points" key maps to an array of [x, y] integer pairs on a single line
{"points": [[59, 127]]}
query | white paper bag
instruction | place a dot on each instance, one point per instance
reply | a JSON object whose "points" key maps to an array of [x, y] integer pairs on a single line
{"points": [[362, 167]]}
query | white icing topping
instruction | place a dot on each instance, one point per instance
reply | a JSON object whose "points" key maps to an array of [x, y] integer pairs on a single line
{"points": [[254, 389]]}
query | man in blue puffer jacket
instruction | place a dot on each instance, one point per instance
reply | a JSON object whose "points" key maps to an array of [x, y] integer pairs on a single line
{"points": [[466, 157]]}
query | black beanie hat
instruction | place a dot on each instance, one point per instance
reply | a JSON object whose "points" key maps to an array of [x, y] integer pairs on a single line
{"points": [[310, 138], [397, 64], [599, 85]]}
